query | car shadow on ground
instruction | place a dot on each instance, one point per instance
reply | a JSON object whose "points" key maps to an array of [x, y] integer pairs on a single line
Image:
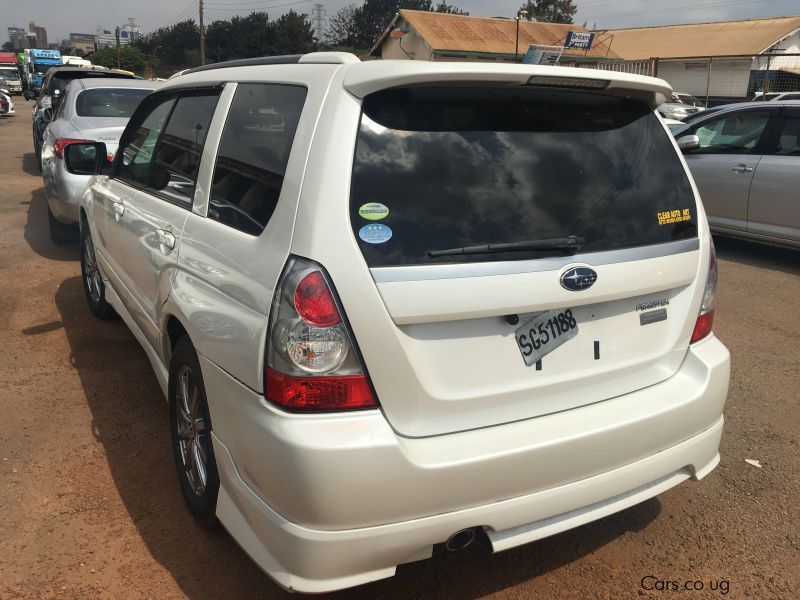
{"points": [[129, 418], [37, 232], [30, 164], [754, 254]]}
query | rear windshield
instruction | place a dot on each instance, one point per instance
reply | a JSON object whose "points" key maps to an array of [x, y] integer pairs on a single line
{"points": [[443, 168], [109, 102]]}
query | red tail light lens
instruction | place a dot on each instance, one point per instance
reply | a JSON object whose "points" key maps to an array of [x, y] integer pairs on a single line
{"points": [[314, 302], [705, 319], [312, 363], [319, 393], [702, 326], [59, 145]]}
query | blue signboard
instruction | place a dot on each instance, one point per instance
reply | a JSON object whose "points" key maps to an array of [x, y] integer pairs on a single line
{"points": [[582, 40]]}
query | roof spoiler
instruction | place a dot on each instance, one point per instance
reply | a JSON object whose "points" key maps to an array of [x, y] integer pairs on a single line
{"points": [[368, 77]]}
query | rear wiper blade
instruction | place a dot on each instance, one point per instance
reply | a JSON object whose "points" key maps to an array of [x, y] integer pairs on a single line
{"points": [[571, 243]]}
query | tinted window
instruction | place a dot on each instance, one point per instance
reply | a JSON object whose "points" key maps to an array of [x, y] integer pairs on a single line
{"points": [[733, 133], [253, 153], [789, 141], [440, 168], [137, 153], [108, 102], [178, 152]]}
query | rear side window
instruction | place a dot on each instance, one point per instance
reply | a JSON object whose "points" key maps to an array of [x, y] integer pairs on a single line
{"points": [[789, 141], [253, 153], [445, 168], [109, 102]]}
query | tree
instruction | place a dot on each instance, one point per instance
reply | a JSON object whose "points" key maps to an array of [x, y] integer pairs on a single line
{"points": [[361, 26], [294, 34], [177, 46], [550, 11], [341, 27], [130, 58]]}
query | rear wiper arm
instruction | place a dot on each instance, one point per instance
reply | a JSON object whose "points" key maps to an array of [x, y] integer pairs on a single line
{"points": [[571, 243]]}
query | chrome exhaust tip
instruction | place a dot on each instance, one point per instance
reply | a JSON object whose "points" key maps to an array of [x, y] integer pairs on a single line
{"points": [[460, 540]]}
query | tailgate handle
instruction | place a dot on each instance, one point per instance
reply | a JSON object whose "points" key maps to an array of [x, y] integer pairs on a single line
{"points": [[742, 169]]}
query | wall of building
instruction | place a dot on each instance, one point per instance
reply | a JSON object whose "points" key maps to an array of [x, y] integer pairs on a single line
{"points": [[727, 78]]}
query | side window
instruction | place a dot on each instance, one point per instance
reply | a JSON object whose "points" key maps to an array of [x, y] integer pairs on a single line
{"points": [[735, 133], [180, 147], [253, 152], [137, 154], [789, 140]]}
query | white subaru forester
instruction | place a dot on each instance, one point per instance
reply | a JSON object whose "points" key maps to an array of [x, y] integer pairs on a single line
{"points": [[396, 304]]}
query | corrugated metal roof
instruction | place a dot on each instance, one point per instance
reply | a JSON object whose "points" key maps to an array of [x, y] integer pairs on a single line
{"points": [[724, 38], [460, 33]]}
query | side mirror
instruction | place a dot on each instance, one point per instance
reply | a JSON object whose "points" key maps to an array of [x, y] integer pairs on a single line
{"points": [[159, 177], [688, 142], [85, 158], [29, 95], [48, 114]]}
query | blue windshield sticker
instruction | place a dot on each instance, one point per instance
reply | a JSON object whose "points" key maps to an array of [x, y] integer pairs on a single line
{"points": [[377, 233]]}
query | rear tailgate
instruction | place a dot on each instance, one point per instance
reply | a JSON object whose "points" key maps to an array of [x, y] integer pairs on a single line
{"points": [[445, 336]]}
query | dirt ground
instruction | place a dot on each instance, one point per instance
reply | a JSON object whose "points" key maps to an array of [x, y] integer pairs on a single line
{"points": [[90, 506]]}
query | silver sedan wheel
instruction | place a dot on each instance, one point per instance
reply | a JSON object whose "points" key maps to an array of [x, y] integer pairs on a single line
{"points": [[191, 424], [91, 272]]}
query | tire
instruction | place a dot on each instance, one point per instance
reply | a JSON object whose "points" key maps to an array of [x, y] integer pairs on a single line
{"points": [[190, 428], [93, 285], [61, 233]]}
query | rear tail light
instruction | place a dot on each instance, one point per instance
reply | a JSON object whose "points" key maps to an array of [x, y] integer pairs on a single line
{"points": [[59, 145], [311, 362], [705, 319]]}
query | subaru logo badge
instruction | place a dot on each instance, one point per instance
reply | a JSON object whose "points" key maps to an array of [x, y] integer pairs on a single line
{"points": [[578, 278]]}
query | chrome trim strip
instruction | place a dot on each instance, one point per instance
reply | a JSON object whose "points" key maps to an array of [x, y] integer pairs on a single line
{"points": [[488, 269]]}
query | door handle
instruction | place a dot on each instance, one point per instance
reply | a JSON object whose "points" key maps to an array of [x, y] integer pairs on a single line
{"points": [[119, 209], [165, 238], [742, 169]]}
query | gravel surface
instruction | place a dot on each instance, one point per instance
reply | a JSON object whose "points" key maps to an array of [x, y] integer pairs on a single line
{"points": [[90, 507]]}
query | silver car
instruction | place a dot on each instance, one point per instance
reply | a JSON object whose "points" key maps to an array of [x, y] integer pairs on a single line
{"points": [[678, 108], [745, 160], [91, 110]]}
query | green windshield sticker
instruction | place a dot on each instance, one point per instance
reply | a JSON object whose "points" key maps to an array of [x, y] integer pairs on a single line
{"points": [[373, 211]]}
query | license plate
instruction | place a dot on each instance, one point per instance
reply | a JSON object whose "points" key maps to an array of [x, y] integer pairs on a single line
{"points": [[545, 333]]}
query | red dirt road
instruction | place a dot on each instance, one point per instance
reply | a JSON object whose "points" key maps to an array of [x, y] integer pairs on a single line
{"points": [[90, 507]]}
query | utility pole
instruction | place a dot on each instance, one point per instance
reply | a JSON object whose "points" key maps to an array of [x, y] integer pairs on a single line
{"points": [[202, 35], [116, 33]]}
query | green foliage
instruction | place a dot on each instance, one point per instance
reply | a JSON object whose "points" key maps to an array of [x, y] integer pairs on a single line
{"points": [[361, 26], [177, 46], [130, 58], [550, 11], [256, 35]]}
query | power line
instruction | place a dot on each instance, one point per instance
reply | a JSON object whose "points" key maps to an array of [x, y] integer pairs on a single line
{"points": [[183, 15], [253, 8]]}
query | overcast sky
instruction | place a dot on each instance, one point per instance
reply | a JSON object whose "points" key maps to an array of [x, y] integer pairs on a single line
{"points": [[61, 17]]}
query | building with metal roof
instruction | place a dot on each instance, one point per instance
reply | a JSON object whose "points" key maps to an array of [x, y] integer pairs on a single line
{"points": [[452, 37]]}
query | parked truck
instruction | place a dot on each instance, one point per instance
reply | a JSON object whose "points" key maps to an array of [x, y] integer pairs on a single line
{"points": [[37, 62], [9, 73]]}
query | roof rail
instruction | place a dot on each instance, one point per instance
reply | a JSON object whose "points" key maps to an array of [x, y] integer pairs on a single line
{"points": [[288, 59]]}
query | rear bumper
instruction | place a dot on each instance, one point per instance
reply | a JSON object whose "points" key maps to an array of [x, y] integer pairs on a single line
{"points": [[327, 503]]}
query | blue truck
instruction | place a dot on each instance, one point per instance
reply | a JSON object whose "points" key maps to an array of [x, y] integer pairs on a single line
{"points": [[37, 62]]}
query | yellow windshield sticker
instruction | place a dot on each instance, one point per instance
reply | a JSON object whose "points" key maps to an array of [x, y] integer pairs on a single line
{"points": [[669, 217]]}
